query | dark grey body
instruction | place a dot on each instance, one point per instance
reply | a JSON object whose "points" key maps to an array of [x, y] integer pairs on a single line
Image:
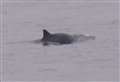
{"points": [[57, 38]]}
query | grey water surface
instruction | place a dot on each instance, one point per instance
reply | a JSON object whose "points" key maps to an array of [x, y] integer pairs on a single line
{"points": [[87, 60]]}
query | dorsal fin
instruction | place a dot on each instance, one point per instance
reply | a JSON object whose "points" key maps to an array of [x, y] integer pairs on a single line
{"points": [[45, 33]]}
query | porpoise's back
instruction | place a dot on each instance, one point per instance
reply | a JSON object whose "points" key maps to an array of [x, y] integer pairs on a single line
{"points": [[59, 38]]}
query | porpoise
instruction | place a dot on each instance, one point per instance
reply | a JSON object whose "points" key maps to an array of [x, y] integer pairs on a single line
{"points": [[56, 38]]}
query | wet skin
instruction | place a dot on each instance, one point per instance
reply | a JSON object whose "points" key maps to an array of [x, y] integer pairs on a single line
{"points": [[57, 38]]}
